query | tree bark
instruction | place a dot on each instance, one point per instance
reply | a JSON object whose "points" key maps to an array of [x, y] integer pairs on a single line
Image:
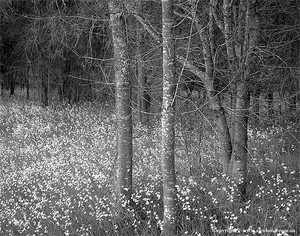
{"points": [[141, 101], [44, 89], [65, 91], [293, 103], [240, 153], [2, 84], [27, 87], [270, 106], [123, 106], [214, 97], [248, 36], [255, 106], [11, 83], [168, 121], [207, 37], [141, 95]]}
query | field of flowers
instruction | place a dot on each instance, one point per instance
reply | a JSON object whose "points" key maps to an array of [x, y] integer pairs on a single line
{"points": [[58, 173]]}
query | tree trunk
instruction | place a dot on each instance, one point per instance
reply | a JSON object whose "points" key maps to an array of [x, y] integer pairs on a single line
{"points": [[293, 103], [147, 100], [65, 91], [123, 106], [2, 71], [27, 89], [2, 86], [214, 96], [215, 101], [239, 158], [44, 90], [293, 108], [249, 35], [23, 81], [141, 99], [168, 121], [12, 83], [27, 81], [255, 106], [270, 105], [141, 95]]}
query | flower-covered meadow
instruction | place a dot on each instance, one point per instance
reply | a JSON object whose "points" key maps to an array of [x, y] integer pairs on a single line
{"points": [[58, 177]]}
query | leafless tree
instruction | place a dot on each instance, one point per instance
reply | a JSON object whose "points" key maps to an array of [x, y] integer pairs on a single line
{"points": [[168, 121], [123, 106]]}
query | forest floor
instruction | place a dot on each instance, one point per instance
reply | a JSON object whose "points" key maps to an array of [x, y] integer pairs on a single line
{"points": [[58, 174]]}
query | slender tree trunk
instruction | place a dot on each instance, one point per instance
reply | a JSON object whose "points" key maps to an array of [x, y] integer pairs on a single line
{"points": [[232, 103], [293, 108], [44, 89], [22, 75], [27, 89], [167, 122], [2, 79], [123, 106], [12, 83], [66, 85], [270, 99], [27, 81], [208, 81], [255, 106], [293, 103], [2, 85], [232, 31], [61, 89], [228, 34], [215, 101], [280, 106], [214, 96], [141, 99], [240, 153]]}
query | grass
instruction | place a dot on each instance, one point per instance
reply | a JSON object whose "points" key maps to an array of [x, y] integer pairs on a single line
{"points": [[58, 173]]}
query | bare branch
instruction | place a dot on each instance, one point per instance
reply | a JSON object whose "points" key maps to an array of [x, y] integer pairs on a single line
{"points": [[216, 18], [149, 28], [180, 59], [190, 67]]}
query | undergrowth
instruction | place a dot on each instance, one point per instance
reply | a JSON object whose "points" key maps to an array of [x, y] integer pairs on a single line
{"points": [[58, 174]]}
